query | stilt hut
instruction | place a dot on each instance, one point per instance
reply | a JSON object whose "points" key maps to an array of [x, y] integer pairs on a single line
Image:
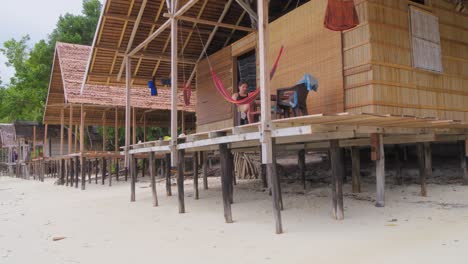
{"points": [[98, 105], [397, 75]]}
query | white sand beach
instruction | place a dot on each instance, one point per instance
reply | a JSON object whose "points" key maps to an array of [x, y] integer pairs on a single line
{"points": [[100, 225]]}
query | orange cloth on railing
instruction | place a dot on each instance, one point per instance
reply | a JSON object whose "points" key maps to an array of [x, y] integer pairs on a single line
{"points": [[340, 15]]}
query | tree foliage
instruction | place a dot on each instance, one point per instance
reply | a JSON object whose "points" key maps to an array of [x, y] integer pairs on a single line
{"points": [[24, 97]]}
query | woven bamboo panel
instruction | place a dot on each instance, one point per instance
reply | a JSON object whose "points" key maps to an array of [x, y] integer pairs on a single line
{"points": [[212, 107], [397, 87], [309, 48]]}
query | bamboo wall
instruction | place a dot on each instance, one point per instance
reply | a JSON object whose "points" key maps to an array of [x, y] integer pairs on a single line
{"points": [[308, 48], [379, 76]]}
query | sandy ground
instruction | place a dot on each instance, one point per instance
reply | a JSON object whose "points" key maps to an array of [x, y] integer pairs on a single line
{"points": [[100, 225]]}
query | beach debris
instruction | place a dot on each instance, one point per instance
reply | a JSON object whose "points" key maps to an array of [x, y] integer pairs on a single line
{"points": [[393, 220], [58, 238], [391, 225]]}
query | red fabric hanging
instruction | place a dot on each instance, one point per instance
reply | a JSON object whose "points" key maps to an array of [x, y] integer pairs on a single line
{"points": [[187, 93], [340, 15]]}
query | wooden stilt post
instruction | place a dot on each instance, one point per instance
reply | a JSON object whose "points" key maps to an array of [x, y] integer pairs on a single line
{"points": [[174, 83], [428, 159], [132, 178], [378, 155], [128, 81], [167, 163], [180, 181], [110, 171], [195, 175], [356, 169], [90, 170], [464, 161], [205, 170], [225, 176], [82, 143], [266, 140], [397, 151], [301, 164], [337, 180], [104, 131], [116, 143], [77, 171], [152, 172], [44, 148], [104, 171], [422, 168]]}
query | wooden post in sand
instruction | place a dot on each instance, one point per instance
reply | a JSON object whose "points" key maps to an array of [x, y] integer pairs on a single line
{"points": [[205, 170], [167, 163], [337, 180], [301, 164], [464, 161], [104, 171], [195, 176], [152, 171], [378, 155], [77, 170], [96, 170], [180, 180], [356, 169], [132, 178], [110, 171], [225, 182], [398, 165], [421, 149]]}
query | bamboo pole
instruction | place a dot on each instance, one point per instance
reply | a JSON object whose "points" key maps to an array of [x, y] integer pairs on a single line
{"points": [[70, 125], [128, 77], [45, 140], [104, 131]]}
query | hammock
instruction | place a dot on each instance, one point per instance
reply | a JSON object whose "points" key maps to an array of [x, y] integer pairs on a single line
{"points": [[251, 96]]}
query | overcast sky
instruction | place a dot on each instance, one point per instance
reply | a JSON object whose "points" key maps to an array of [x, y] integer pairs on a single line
{"points": [[33, 17]]}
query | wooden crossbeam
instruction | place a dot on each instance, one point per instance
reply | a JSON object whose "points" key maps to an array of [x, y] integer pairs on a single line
{"points": [[212, 23]]}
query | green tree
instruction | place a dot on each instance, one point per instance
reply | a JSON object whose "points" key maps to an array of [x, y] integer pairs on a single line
{"points": [[25, 97]]}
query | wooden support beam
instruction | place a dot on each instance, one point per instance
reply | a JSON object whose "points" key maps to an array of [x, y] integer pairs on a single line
{"points": [[210, 38], [104, 171], [205, 169], [116, 130], [82, 144], [167, 170], [174, 84], [356, 169], [136, 24], [212, 23], [127, 113], [77, 171], [421, 149], [134, 126], [34, 140], [302, 166], [180, 180], [44, 149], [250, 11], [104, 131], [164, 26], [70, 129], [75, 149], [133, 176], [266, 140], [152, 171], [464, 161], [398, 155], [195, 175], [226, 173], [337, 180], [378, 156]]}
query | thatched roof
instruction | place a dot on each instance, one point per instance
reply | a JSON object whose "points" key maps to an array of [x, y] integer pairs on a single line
{"points": [[65, 89]]}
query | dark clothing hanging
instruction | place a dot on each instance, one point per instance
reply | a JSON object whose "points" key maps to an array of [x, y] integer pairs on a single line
{"points": [[340, 15]]}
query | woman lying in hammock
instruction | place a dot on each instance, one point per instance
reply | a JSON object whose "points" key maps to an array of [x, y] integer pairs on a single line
{"points": [[244, 109]]}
